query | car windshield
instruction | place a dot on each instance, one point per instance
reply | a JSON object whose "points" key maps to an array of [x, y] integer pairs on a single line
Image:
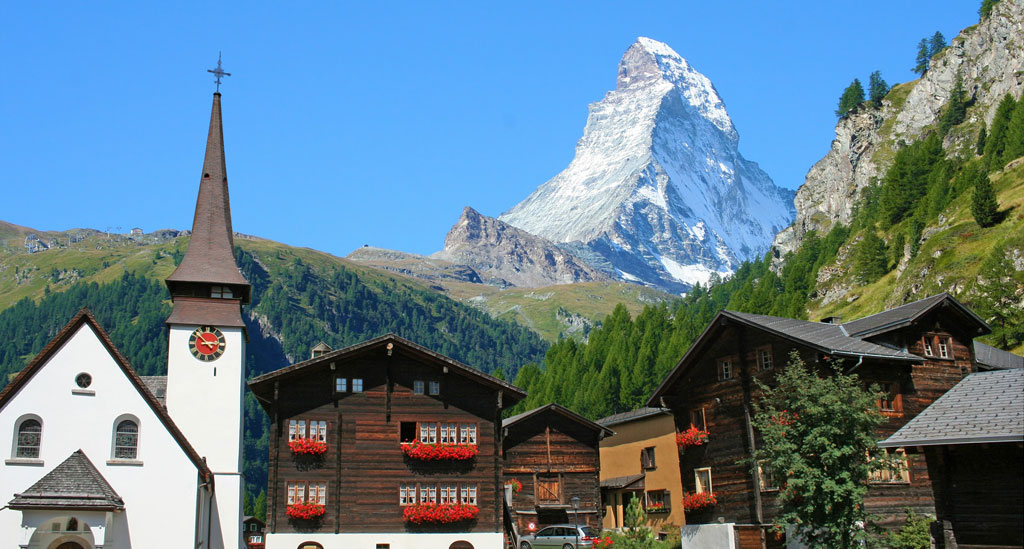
{"points": [[589, 532]]}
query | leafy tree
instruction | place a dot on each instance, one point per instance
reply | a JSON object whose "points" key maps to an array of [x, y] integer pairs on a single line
{"points": [[877, 88], [984, 206], [852, 96], [871, 259], [995, 143], [817, 433], [915, 533], [923, 57], [936, 44], [979, 149], [638, 536], [998, 285], [956, 109], [986, 7]]}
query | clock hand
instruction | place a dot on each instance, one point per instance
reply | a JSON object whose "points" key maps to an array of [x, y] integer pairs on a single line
{"points": [[199, 337]]}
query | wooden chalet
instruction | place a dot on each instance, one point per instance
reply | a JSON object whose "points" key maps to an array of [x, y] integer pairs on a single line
{"points": [[374, 431], [551, 454], [642, 459], [973, 441], [915, 353]]}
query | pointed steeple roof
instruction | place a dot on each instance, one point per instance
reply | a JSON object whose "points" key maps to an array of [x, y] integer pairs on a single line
{"points": [[74, 484], [210, 257]]}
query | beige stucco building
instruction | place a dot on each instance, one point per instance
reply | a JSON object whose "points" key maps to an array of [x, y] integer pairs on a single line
{"points": [[642, 458]]}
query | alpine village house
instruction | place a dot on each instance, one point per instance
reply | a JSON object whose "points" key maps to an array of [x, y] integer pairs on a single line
{"points": [[102, 458], [914, 353], [383, 445]]}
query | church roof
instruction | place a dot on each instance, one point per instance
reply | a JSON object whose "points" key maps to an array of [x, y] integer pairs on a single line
{"points": [[210, 257], [74, 484], [84, 316]]}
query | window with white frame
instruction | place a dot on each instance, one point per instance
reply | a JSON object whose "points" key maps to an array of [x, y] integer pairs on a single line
{"points": [[417, 387], [702, 480], [296, 429], [340, 384], [767, 476], [221, 292], [467, 433], [407, 494], [468, 494], [764, 359], [431, 494], [435, 387], [894, 469], [928, 346], [449, 433], [357, 385], [30, 435], [318, 430], [318, 493], [126, 439], [944, 348], [449, 493], [296, 492], [428, 433], [724, 369]]}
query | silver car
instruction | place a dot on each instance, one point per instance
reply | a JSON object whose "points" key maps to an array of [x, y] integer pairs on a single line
{"points": [[561, 536]]}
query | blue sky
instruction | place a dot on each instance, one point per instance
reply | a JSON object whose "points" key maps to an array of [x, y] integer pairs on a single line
{"points": [[377, 122]]}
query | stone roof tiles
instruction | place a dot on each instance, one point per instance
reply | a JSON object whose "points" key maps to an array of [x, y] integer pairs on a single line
{"points": [[74, 484]]}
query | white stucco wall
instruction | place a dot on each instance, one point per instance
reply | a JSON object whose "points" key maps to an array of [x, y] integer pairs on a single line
{"points": [[709, 536], [159, 493], [485, 540], [205, 401]]}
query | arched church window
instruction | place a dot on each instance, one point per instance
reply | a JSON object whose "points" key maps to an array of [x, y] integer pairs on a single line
{"points": [[126, 440], [30, 434]]}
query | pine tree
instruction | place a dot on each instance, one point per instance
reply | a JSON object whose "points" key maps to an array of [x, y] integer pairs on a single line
{"points": [[956, 109], [871, 260], [259, 509], [923, 57], [638, 536], [852, 96], [995, 143], [877, 88], [897, 248], [1015, 134], [984, 206], [979, 149], [998, 284], [936, 44]]}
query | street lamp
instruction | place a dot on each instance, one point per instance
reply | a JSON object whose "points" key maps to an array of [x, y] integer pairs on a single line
{"points": [[576, 519]]}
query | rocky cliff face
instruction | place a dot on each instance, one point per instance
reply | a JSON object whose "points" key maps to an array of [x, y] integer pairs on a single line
{"points": [[658, 192], [500, 251], [990, 59]]}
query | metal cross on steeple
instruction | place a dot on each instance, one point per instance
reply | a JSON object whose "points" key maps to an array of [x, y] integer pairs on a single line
{"points": [[218, 72]]}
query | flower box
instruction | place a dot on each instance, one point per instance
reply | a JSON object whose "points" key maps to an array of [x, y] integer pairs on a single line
{"points": [[516, 486], [692, 437], [439, 452], [698, 500], [305, 511], [439, 513], [307, 446], [659, 507]]}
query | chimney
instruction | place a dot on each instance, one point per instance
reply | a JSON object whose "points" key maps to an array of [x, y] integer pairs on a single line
{"points": [[832, 320]]}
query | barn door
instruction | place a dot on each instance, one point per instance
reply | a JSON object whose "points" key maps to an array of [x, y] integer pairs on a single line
{"points": [[549, 490]]}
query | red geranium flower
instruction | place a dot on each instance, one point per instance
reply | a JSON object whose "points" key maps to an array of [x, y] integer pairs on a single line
{"points": [[305, 511], [439, 451], [443, 513], [307, 446], [692, 437], [698, 500]]}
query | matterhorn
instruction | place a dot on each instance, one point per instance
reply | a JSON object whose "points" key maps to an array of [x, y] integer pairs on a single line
{"points": [[658, 192]]}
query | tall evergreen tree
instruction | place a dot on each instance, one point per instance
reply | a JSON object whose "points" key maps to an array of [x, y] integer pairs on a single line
{"points": [[998, 284], [871, 259], [995, 143], [877, 88], [923, 57], [956, 109], [1015, 134], [984, 206], [936, 44], [852, 96], [979, 149]]}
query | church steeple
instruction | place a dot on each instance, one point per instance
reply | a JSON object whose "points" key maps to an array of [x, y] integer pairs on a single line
{"points": [[208, 269]]}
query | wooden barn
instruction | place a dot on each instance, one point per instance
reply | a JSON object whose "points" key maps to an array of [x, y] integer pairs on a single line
{"points": [[973, 441], [915, 353], [384, 444], [551, 457]]}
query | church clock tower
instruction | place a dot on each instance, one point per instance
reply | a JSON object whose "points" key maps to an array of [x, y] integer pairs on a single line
{"points": [[207, 337]]}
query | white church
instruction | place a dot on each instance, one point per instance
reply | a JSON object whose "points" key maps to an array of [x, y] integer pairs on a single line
{"points": [[101, 458]]}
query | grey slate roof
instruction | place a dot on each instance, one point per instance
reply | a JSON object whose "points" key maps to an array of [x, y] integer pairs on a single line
{"points": [[631, 415], [623, 482], [996, 359], [158, 386], [74, 484], [905, 314], [832, 338], [983, 407]]}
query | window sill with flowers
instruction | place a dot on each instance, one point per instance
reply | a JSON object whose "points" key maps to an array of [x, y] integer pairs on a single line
{"points": [[439, 451]]}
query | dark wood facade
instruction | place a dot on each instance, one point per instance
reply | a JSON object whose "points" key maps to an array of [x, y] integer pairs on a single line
{"points": [[386, 398], [696, 390], [554, 453]]}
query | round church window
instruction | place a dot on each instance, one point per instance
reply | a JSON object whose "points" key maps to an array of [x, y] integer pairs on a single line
{"points": [[83, 380]]}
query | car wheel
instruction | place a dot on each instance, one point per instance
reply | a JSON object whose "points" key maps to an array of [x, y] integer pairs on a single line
{"points": [[525, 545], [567, 546]]}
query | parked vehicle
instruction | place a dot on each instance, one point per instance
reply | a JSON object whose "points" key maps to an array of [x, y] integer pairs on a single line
{"points": [[561, 536]]}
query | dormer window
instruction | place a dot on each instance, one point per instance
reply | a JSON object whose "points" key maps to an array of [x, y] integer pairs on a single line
{"points": [[928, 347], [221, 292], [943, 348]]}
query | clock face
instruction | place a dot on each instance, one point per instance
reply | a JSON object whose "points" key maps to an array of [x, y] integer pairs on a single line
{"points": [[206, 343]]}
